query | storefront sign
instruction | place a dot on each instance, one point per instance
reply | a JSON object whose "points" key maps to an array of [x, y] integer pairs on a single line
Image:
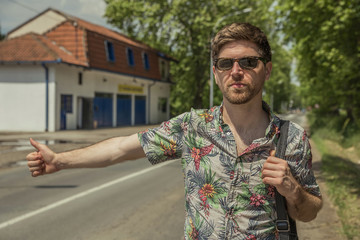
{"points": [[130, 89]]}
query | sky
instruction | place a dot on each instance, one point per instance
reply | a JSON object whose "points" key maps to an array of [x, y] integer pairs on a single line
{"points": [[15, 12]]}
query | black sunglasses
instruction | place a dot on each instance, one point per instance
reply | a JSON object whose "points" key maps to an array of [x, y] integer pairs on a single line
{"points": [[247, 63]]}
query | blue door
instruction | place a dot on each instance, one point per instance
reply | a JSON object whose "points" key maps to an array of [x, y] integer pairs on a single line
{"points": [[123, 110], [66, 107], [103, 107], [63, 120], [140, 110]]}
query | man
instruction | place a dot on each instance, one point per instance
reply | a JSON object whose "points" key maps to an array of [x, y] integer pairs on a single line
{"points": [[227, 152]]}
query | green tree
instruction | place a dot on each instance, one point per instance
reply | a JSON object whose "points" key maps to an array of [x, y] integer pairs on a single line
{"points": [[326, 37], [183, 29], [278, 89]]}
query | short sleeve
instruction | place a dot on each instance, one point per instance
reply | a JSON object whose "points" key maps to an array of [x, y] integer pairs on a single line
{"points": [[299, 157], [166, 141]]}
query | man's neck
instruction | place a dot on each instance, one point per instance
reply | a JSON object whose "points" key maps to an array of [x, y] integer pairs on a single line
{"points": [[245, 116]]}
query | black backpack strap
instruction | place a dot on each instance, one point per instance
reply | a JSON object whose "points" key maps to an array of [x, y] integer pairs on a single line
{"points": [[284, 224]]}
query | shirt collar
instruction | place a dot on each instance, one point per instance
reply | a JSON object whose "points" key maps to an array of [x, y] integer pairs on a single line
{"points": [[271, 130], [274, 125]]}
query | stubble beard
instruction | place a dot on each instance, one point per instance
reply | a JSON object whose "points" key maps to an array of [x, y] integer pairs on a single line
{"points": [[241, 96]]}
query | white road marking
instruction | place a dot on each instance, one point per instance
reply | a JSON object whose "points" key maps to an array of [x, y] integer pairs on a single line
{"points": [[80, 195]]}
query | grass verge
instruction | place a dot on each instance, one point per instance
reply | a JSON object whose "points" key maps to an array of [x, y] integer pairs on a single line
{"points": [[341, 170]]}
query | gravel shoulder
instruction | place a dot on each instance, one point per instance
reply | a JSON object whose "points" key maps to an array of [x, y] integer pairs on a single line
{"points": [[327, 224]]}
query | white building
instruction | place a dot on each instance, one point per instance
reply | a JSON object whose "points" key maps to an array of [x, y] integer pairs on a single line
{"points": [[60, 72]]}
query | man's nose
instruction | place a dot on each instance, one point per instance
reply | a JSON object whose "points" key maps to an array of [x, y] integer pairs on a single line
{"points": [[236, 69]]}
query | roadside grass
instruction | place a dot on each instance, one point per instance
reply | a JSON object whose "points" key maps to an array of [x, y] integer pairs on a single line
{"points": [[341, 170]]}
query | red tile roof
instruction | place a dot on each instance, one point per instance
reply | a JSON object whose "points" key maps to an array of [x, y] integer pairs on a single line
{"points": [[35, 48], [62, 42], [108, 32]]}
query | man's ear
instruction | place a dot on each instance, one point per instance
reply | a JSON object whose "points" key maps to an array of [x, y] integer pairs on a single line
{"points": [[268, 68], [214, 72]]}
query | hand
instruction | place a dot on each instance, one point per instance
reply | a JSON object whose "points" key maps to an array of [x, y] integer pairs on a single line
{"points": [[276, 172], [42, 161]]}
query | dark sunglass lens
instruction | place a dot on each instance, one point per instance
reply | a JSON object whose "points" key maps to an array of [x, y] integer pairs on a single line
{"points": [[248, 63], [225, 64]]}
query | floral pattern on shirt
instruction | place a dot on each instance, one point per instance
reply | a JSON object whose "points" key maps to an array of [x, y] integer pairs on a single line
{"points": [[225, 197]]}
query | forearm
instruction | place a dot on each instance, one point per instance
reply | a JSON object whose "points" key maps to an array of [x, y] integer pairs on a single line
{"points": [[102, 154], [302, 205]]}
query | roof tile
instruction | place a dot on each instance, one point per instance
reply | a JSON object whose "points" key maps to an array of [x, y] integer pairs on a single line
{"points": [[34, 48]]}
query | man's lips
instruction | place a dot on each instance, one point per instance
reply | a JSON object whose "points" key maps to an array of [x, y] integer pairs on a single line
{"points": [[237, 85]]}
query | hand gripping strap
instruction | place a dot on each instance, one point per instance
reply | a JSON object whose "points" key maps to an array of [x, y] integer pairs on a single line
{"points": [[284, 224]]}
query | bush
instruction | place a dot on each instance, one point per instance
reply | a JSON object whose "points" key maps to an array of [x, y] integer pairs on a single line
{"points": [[336, 127]]}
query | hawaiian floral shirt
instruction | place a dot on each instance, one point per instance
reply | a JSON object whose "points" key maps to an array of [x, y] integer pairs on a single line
{"points": [[225, 197]]}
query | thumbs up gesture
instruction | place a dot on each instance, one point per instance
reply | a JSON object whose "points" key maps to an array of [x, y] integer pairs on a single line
{"points": [[42, 161], [276, 172]]}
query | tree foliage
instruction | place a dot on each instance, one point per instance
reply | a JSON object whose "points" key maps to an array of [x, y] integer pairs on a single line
{"points": [[183, 29], [326, 37]]}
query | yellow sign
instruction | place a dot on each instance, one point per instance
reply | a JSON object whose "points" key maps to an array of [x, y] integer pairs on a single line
{"points": [[130, 89]]}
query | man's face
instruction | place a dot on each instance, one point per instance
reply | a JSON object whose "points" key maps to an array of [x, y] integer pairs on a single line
{"points": [[238, 85]]}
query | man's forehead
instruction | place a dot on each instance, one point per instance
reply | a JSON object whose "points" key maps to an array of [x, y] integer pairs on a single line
{"points": [[238, 47]]}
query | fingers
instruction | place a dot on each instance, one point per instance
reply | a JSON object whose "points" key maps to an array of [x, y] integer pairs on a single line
{"points": [[275, 166], [275, 160], [36, 169], [34, 156], [274, 163], [274, 170], [35, 162], [37, 173], [36, 165], [273, 181]]}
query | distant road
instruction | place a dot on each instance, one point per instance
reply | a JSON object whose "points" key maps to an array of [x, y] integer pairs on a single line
{"points": [[131, 200], [299, 118]]}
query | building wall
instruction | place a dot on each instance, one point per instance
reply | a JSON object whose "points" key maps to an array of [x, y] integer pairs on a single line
{"points": [[159, 93], [98, 58], [23, 95], [94, 81], [22, 98]]}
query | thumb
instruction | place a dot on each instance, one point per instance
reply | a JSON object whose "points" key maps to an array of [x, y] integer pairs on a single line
{"points": [[35, 144], [272, 153]]}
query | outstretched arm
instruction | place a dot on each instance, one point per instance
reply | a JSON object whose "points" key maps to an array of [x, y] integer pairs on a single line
{"points": [[301, 205], [102, 154]]}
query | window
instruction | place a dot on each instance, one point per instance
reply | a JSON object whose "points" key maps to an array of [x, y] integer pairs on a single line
{"points": [[130, 57], [66, 103], [146, 61], [109, 48], [80, 79]]}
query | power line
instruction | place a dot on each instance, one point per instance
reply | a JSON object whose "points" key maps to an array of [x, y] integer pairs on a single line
{"points": [[24, 6], [31, 9]]}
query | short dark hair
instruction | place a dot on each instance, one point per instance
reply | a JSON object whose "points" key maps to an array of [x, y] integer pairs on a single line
{"points": [[241, 31]]}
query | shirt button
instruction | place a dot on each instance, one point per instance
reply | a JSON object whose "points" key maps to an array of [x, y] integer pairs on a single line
{"points": [[228, 133]]}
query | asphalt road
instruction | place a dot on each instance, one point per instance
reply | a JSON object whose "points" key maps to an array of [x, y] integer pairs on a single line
{"points": [[131, 200]]}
